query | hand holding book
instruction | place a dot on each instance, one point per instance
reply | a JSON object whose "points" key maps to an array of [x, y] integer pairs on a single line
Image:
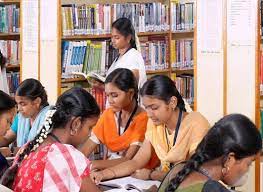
{"points": [[96, 80]]}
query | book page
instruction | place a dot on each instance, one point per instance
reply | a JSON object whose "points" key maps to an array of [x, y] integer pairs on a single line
{"points": [[127, 182]]}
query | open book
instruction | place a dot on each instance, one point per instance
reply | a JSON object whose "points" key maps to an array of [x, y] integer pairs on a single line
{"points": [[130, 183], [92, 75]]}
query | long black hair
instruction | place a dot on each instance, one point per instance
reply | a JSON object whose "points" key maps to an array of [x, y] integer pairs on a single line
{"points": [[124, 80], [75, 102], [234, 133], [163, 88], [2, 60], [6, 102], [32, 89], [125, 27]]}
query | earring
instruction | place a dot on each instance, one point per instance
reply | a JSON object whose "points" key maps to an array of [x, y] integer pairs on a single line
{"points": [[225, 171], [73, 131]]}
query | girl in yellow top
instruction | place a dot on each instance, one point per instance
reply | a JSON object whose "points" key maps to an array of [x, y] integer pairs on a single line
{"points": [[121, 127], [171, 131]]}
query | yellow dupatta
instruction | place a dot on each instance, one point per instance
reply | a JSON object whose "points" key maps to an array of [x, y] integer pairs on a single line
{"points": [[193, 128]]}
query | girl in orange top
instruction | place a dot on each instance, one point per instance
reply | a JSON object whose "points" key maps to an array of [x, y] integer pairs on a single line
{"points": [[122, 126], [172, 132]]}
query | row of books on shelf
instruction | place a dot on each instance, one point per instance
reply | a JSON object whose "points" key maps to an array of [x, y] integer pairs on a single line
{"points": [[9, 19], [182, 53], [97, 56], [13, 79], [86, 56], [98, 94], [100, 97], [182, 16], [185, 86], [97, 18], [10, 50], [155, 53]]}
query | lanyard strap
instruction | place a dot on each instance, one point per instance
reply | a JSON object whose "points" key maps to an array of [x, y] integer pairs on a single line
{"points": [[175, 134], [129, 120], [118, 56], [176, 130]]}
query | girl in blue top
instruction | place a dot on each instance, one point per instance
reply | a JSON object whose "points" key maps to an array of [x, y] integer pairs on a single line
{"points": [[31, 99]]}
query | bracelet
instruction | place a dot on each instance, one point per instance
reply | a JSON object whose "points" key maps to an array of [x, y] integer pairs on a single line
{"points": [[114, 174]]}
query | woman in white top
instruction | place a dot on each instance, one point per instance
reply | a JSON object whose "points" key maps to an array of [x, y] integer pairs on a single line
{"points": [[124, 40]]}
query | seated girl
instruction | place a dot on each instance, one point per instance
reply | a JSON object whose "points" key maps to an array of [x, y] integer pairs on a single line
{"points": [[225, 154], [7, 113], [172, 132], [50, 162], [31, 99], [122, 126]]}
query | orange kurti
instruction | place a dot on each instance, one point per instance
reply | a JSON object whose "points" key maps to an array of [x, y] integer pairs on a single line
{"points": [[106, 131]]}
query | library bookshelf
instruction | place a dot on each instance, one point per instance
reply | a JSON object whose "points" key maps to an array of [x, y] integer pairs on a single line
{"points": [[9, 41]]}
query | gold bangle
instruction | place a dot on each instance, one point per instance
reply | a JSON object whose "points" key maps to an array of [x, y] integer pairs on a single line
{"points": [[114, 174]]}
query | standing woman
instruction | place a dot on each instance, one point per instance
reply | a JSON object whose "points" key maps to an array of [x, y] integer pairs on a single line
{"points": [[122, 126], [171, 131], [124, 40], [31, 99]]}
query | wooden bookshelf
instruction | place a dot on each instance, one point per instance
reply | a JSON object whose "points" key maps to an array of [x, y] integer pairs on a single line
{"points": [[9, 36], [183, 32], [83, 37], [65, 2], [13, 67], [107, 36], [9, 1], [63, 35], [183, 71], [158, 71], [72, 80]]}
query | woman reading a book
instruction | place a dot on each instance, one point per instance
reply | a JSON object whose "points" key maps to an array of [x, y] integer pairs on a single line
{"points": [[122, 126], [7, 113], [50, 162], [125, 41], [31, 99], [172, 132], [225, 154]]}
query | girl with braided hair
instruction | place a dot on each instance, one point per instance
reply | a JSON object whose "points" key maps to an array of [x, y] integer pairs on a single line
{"points": [[225, 154], [50, 162]]}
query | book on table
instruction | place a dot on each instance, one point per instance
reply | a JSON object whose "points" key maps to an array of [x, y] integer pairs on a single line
{"points": [[130, 183]]}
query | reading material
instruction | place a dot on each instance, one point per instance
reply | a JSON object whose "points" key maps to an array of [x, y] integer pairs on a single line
{"points": [[92, 75], [129, 183]]}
